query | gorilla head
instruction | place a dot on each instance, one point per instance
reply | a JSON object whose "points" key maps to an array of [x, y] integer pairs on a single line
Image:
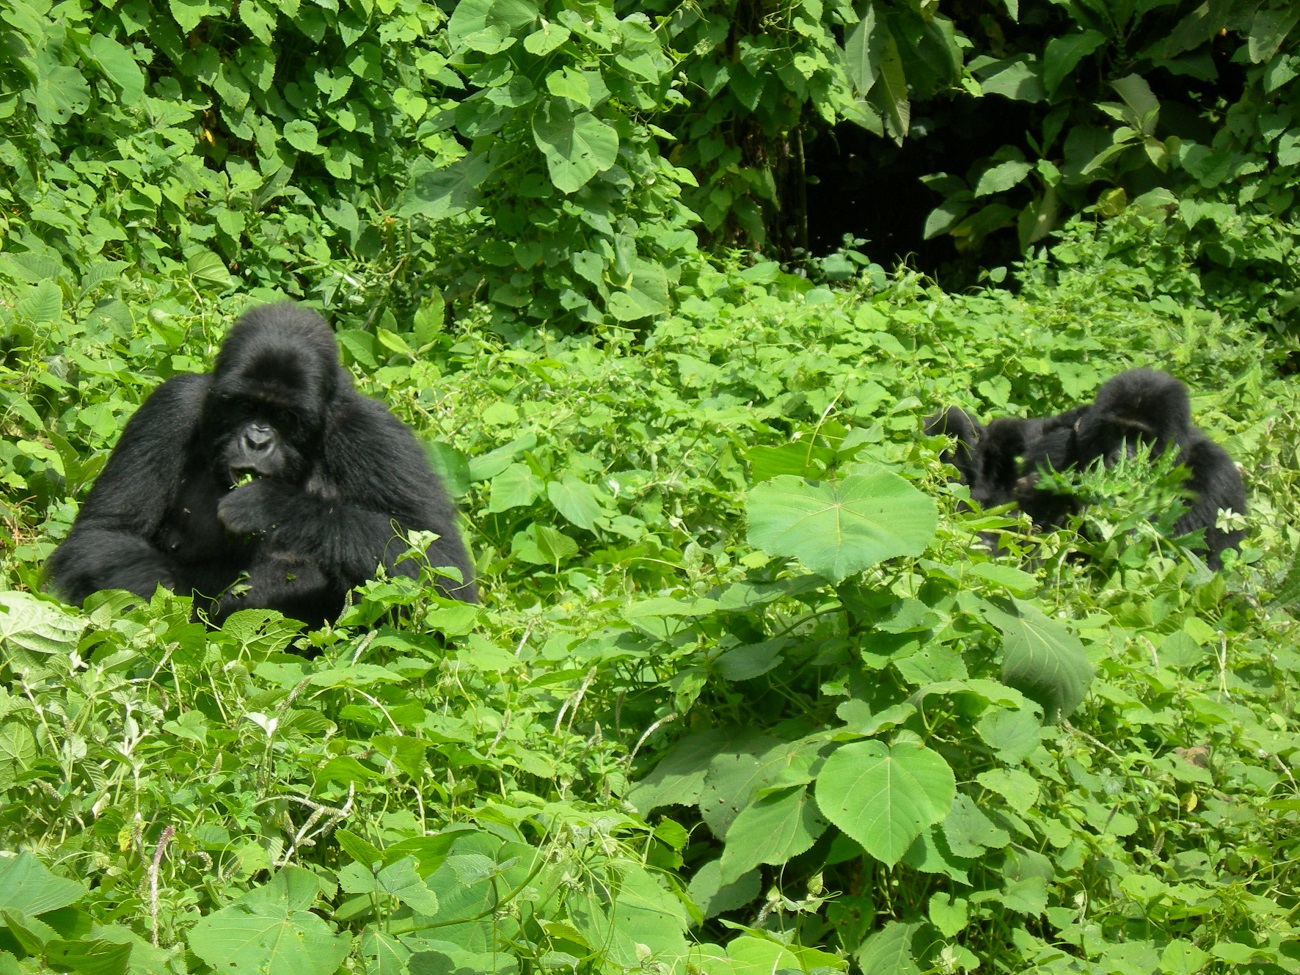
{"points": [[1141, 405], [273, 386]]}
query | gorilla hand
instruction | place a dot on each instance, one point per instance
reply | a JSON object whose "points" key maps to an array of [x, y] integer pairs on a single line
{"points": [[251, 509]]}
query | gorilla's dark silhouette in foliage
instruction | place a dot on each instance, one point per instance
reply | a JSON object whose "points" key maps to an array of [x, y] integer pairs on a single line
{"points": [[270, 471], [1002, 461]]}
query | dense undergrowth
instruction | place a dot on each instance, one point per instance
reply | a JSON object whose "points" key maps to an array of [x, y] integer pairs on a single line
{"points": [[676, 735]]}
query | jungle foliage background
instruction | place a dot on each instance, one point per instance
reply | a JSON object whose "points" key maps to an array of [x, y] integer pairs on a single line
{"points": [[662, 286]]}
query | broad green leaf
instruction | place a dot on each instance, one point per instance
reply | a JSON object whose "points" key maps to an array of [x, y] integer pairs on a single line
{"points": [[713, 896], [489, 26], [37, 625], [42, 303], [884, 796], [577, 147], [207, 266], [1041, 658], [576, 500], [17, 748], [736, 775], [1003, 176], [894, 99], [1019, 78], [233, 89], [947, 215], [949, 914], [515, 487], [89, 957], [188, 13], [487, 466], [451, 466], [60, 93], [446, 192], [259, 20], [546, 39], [343, 215], [1182, 957], [1140, 99], [360, 347], [27, 885], [1012, 735], [748, 955], [399, 880], [1017, 786], [628, 912], [840, 528], [270, 931], [1064, 53], [772, 829], [543, 545], [929, 853], [1268, 29], [863, 51], [570, 83], [646, 295], [679, 776], [301, 134], [892, 950], [384, 953], [118, 66], [798, 459]]}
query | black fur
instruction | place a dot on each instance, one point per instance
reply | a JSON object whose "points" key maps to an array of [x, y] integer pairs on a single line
{"points": [[989, 458], [337, 483], [1141, 406], [959, 425]]}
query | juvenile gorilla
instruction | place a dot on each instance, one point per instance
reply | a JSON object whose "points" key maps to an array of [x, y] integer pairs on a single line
{"points": [[988, 458], [334, 482], [1147, 406]]}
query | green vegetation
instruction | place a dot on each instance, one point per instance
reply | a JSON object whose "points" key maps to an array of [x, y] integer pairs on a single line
{"points": [[697, 723]]}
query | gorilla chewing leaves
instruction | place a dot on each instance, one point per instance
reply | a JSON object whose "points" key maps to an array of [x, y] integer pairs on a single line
{"points": [[271, 472]]}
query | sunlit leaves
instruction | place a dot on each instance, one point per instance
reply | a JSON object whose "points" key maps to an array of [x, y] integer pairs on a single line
{"points": [[839, 528], [577, 147], [302, 135], [884, 796], [118, 66], [271, 931]]}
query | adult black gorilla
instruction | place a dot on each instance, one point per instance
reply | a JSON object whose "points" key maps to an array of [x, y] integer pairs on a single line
{"points": [[336, 484]]}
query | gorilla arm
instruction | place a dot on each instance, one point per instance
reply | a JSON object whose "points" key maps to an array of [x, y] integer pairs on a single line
{"points": [[115, 541]]}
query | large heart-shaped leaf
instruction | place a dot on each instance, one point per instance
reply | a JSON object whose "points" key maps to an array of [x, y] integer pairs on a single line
{"points": [[839, 528], [883, 796], [577, 147]]}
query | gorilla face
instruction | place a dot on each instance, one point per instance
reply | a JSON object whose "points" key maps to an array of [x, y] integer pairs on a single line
{"points": [[272, 389]]}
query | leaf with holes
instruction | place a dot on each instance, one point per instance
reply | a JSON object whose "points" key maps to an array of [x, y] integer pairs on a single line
{"points": [[577, 147]]}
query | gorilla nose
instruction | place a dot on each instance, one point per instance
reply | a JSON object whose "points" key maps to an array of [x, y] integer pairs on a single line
{"points": [[258, 437]]}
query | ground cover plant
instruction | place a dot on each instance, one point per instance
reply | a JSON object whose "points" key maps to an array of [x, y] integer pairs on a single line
{"points": [[694, 725]]}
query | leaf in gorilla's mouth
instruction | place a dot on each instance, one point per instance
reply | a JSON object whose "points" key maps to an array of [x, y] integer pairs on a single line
{"points": [[240, 478]]}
